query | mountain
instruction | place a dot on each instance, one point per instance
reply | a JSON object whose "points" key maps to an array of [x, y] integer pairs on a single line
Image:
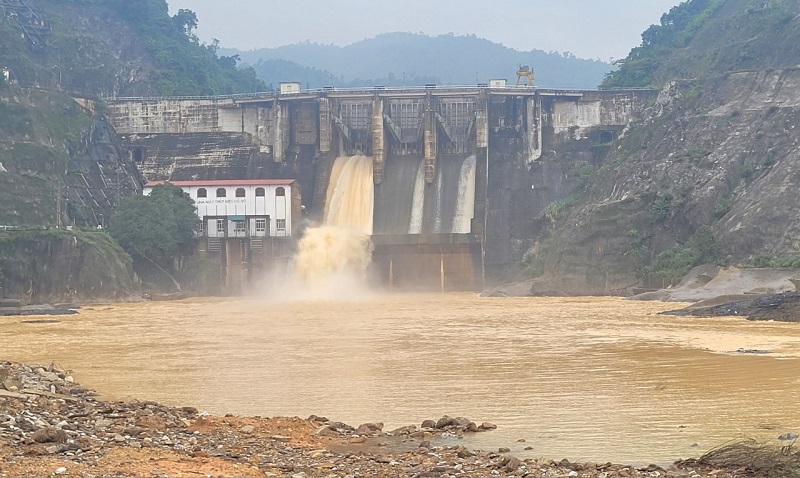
{"points": [[393, 59], [113, 48], [711, 173]]}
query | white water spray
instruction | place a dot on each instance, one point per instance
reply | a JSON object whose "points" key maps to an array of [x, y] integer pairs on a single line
{"points": [[465, 207], [418, 202], [332, 260]]}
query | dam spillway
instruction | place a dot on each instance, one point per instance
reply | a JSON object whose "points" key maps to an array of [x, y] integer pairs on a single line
{"points": [[460, 176]]}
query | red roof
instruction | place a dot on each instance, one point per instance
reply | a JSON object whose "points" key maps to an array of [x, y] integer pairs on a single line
{"points": [[226, 182]]}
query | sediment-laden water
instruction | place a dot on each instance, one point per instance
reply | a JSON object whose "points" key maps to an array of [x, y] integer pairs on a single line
{"points": [[585, 379]]}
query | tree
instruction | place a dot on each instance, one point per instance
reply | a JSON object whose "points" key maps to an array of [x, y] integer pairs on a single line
{"points": [[186, 21], [155, 227]]}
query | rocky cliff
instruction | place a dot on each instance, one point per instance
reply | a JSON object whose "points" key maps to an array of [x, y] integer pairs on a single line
{"points": [[65, 266], [719, 154]]}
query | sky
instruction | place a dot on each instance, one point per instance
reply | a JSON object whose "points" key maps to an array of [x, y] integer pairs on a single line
{"points": [[598, 29]]}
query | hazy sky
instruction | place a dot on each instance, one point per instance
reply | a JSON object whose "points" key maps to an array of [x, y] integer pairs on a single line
{"points": [[588, 28]]}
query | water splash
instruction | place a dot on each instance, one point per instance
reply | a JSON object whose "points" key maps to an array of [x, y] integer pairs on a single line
{"points": [[332, 260]]}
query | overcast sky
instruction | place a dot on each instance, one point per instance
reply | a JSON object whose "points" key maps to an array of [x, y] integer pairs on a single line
{"points": [[588, 28]]}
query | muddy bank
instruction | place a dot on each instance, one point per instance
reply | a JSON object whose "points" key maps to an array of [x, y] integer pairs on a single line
{"points": [[51, 426], [783, 307]]}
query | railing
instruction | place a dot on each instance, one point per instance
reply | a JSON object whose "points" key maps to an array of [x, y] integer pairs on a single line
{"points": [[375, 89]]}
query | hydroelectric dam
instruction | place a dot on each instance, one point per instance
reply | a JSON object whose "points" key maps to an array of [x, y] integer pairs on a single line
{"points": [[452, 180]]}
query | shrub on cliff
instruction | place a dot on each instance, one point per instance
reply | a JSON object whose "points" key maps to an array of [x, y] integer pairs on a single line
{"points": [[701, 248], [155, 227]]}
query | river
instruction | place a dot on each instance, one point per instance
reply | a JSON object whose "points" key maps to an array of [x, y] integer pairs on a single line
{"points": [[596, 379]]}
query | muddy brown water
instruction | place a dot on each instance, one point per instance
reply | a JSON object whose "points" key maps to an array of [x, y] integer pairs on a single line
{"points": [[583, 379]]}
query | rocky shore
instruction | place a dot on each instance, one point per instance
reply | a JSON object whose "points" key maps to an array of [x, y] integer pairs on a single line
{"points": [[783, 307], [51, 426]]}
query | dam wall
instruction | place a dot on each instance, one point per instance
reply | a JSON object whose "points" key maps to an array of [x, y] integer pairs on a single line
{"points": [[476, 163]]}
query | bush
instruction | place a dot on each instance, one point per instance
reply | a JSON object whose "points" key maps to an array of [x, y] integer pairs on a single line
{"points": [[661, 208], [775, 262], [702, 248], [748, 169], [723, 208], [557, 211]]}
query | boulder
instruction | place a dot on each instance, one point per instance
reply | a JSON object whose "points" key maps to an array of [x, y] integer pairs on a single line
{"points": [[429, 424], [444, 422], [369, 429], [49, 435]]}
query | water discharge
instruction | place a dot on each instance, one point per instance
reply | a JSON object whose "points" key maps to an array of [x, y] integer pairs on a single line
{"points": [[351, 194], [465, 202], [332, 259], [418, 204]]}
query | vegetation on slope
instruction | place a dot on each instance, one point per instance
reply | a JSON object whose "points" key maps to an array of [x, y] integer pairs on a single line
{"points": [[120, 47], [38, 131], [701, 38], [58, 265], [707, 174]]}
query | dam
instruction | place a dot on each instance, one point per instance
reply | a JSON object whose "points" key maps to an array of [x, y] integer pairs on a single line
{"points": [[457, 177]]}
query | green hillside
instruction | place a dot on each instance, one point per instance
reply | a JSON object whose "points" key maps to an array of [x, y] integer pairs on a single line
{"points": [[114, 47], [699, 38]]}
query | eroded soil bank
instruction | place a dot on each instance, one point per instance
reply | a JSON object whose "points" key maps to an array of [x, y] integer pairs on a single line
{"points": [[51, 426]]}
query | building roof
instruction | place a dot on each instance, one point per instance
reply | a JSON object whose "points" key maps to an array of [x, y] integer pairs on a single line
{"points": [[226, 182]]}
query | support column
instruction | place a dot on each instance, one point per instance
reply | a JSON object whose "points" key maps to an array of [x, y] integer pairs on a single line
{"points": [[429, 140], [533, 111], [277, 131], [324, 125], [378, 140], [482, 121]]}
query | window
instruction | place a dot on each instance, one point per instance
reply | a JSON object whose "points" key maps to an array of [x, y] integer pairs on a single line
{"points": [[260, 192], [221, 226], [202, 193], [280, 224], [261, 225], [239, 192], [221, 193], [138, 155], [238, 226], [280, 192]]}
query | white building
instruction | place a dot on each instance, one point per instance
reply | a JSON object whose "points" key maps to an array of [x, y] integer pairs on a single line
{"points": [[243, 207], [290, 88]]}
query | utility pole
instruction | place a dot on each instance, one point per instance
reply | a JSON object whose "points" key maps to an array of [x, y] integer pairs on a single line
{"points": [[59, 75], [58, 207]]}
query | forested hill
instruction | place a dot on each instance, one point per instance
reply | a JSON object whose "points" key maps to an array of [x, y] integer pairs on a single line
{"points": [[699, 38], [392, 59], [114, 47]]}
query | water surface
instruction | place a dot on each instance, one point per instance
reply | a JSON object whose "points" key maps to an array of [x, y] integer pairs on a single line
{"points": [[583, 379]]}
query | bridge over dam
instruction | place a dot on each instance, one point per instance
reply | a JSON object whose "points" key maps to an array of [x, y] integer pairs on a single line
{"points": [[459, 176]]}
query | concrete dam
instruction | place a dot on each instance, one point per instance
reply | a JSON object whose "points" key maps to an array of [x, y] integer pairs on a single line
{"points": [[455, 179]]}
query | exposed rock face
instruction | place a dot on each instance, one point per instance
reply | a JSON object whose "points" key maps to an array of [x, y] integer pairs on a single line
{"points": [[723, 152], [59, 266]]}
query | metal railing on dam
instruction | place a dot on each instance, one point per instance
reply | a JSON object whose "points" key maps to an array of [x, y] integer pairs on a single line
{"points": [[378, 90]]}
